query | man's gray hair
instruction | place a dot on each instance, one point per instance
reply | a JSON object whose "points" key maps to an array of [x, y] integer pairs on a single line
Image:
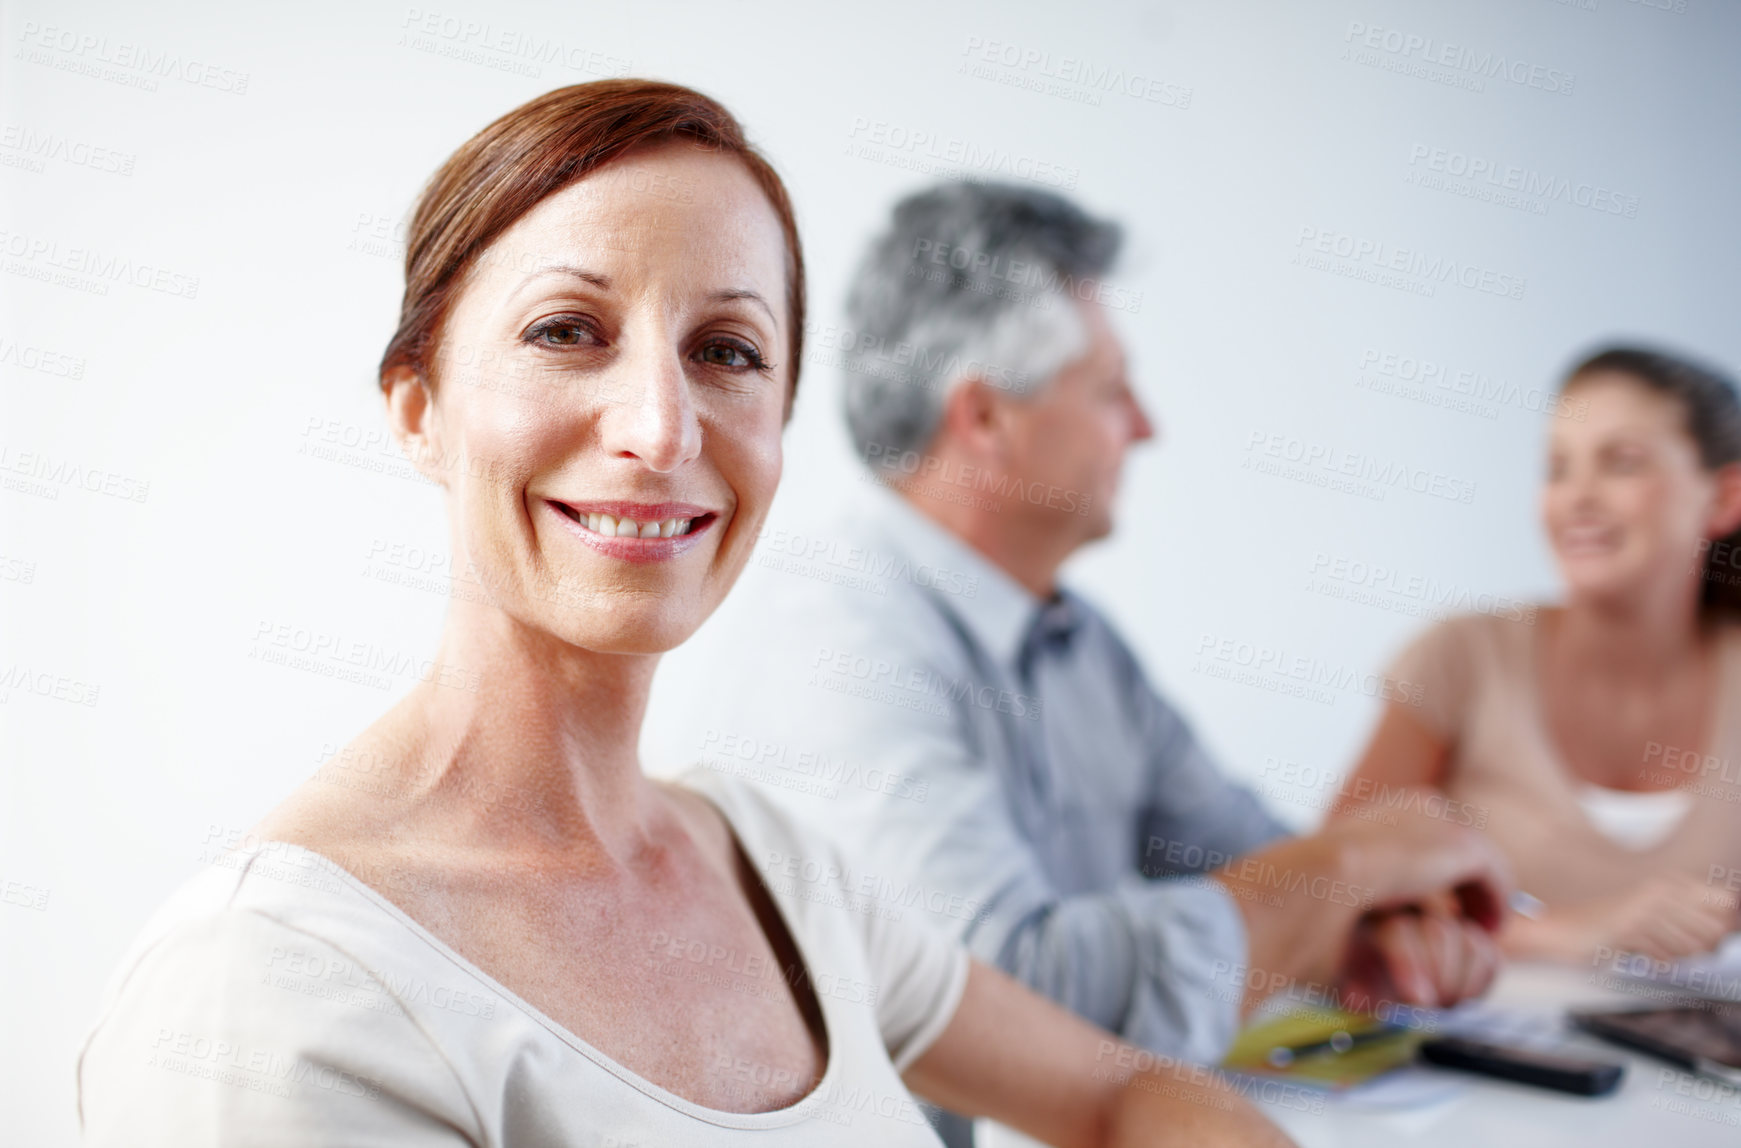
{"points": [[972, 280]]}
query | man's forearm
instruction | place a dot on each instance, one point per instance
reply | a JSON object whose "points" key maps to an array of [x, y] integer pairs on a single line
{"points": [[1299, 899]]}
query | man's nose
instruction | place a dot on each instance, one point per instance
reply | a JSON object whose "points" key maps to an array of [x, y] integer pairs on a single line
{"points": [[1142, 428]]}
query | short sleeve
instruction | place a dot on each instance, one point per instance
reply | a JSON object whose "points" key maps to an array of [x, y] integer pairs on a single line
{"points": [[921, 972], [217, 1035], [1433, 677]]}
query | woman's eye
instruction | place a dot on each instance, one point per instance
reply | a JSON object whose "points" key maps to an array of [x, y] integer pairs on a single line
{"points": [[735, 355], [1626, 462], [559, 332]]}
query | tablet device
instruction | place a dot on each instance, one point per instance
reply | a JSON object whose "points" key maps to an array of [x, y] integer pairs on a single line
{"points": [[1701, 1036]]}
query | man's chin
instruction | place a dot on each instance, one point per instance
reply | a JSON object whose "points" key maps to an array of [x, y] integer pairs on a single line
{"points": [[1096, 527]]}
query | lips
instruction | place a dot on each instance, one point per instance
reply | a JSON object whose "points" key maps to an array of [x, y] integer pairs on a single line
{"points": [[1587, 539], [635, 532]]}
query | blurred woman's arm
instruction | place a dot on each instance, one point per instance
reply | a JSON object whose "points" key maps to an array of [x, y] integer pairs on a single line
{"points": [[1016, 1057], [1663, 918], [1402, 755]]}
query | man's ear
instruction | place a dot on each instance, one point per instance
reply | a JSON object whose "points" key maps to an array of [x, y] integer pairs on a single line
{"points": [[411, 416], [974, 415], [1725, 516]]}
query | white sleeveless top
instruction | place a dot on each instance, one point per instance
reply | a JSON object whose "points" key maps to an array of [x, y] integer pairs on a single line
{"points": [[285, 1002], [1632, 820]]}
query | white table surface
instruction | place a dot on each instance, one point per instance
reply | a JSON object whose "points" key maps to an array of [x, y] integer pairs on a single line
{"points": [[1646, 1111]]}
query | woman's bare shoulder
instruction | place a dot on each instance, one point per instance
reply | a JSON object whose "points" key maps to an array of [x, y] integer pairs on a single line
{"points": [[1502, 635], [357, 802]]}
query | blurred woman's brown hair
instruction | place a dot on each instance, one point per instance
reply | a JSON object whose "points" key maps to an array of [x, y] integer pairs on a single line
{"points": [[537, 150]]}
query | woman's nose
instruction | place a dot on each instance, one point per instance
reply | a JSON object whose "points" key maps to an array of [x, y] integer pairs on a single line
{"points": [[650, 414], [1578, 489], [1582, 483]]}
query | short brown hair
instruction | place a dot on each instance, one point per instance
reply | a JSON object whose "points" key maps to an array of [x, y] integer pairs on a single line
{"points": [[538, 149]]}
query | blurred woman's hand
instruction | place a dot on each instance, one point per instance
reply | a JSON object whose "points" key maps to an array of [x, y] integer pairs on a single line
{"points": [[1430, 956], [1662, 918]]}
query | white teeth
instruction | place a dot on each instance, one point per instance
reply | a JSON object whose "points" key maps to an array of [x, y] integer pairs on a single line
{"points": [[613, 527]]}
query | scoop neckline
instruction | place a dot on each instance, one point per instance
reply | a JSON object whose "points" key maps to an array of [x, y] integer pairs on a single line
{"points": [[773, 1118]]}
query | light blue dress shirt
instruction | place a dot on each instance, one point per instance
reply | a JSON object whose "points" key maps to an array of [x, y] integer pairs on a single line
{"points": [[995, 763]]}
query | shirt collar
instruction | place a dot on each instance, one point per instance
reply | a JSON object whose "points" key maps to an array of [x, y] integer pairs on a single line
{"points": [[1000, 611]]}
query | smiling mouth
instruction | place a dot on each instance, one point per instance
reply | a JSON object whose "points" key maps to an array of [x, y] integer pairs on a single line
{"points": [[1579, 540], [621, 526]]}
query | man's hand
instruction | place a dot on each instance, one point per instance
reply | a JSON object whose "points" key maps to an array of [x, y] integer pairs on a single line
{"points": [[1304, 901], [1422, 858]]}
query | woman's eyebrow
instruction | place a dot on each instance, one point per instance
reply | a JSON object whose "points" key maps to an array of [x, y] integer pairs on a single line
{"points": [[742, 293], [602, 282]]}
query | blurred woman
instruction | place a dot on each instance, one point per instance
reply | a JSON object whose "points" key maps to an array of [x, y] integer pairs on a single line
{"points": [[485, 925], [1599, 742]]}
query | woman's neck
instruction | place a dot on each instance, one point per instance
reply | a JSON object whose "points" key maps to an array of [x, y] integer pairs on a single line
{"points": [[522, 737], [1634, 638]]}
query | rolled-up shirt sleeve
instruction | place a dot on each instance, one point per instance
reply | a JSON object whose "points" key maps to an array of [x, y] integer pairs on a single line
{"points": [[887, 720], [1154, 961], [1149, 960], [1196, 819], [1157, 962]]}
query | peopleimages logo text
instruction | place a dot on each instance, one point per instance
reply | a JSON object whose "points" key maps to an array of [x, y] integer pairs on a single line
{"points": [[1389, 257], [1525, 181], [1382, 472], [1487, 65]]}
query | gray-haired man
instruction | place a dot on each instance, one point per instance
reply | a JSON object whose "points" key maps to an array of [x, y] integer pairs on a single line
{"points": [[982, 740]]}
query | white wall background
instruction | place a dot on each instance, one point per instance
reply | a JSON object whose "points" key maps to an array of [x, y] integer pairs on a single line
{"points": [[281, 199]]}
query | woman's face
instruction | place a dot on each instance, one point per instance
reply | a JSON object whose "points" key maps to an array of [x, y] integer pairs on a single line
{"points": [[608, 398], [1627, 499]]}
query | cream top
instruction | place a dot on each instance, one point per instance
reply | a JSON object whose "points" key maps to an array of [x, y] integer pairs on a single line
{"points": [[282, 1001], [1473, 683]]}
